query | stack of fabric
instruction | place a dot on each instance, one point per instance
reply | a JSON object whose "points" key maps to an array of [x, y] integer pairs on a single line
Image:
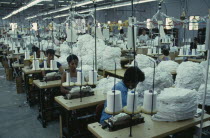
{"points": [[174, 104]]}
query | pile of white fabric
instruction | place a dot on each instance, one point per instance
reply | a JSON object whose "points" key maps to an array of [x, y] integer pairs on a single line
{"points": [[169, 66], [189, 75], [106, 56], [204, 64], [174, 104], [163, 79], [143, 61], [106, 84], [201, 92], [64, 49]]}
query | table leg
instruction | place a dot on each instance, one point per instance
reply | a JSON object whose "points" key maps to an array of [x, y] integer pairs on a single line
{"points": [[61, 126], [41, 116]]}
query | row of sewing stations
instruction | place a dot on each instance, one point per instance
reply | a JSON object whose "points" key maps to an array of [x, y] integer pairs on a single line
{"points": [[82, 109]]}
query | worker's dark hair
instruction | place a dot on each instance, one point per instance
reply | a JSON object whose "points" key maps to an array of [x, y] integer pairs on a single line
{"points": [[121, 31], [165, 52], [35, 49], [50, 51], [134, 75], [72, 57], [195, 39]]}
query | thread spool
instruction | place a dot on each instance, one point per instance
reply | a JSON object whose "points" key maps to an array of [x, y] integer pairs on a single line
{"points": [[147, 105], [68, 78], [55, 65], [80, 78], [193, 52], [92, 77], [149, 52], [42, 55], [181, 51], [154, 51], [34, 65], [110, 102], [159, 51], [187, 52], [45, 64], [26, 55], [51, 64], [34, 55], [37, 65], [130, 99]]}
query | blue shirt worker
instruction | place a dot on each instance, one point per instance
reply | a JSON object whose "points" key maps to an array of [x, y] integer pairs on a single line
{"points": [[132, 76]]}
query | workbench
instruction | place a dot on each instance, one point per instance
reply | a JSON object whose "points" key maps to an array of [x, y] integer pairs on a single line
{"points": [[119, 73], [196, 60], [149, 129], [72, 110], [27, 72], [46, 94]]}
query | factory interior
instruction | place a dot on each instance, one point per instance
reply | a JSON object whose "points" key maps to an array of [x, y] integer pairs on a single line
{"points": [[104, 68]]}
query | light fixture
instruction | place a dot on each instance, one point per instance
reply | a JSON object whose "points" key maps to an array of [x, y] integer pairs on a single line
{"points": [[116, 6], [30, 4], [109, 22], [86, 2]]}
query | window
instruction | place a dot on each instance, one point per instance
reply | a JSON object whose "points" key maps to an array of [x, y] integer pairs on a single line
{"points": [[193, 25], [169, 23]]}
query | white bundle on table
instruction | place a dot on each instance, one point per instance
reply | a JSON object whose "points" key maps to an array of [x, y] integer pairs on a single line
{"points": [[189, 75], [163, 79], [174, 104], [169, 66], [143, 61], [106, 84], [201, 92]]}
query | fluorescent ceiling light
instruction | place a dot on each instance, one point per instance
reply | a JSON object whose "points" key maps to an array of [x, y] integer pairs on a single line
{"points": [[64, 8], [30, 4], [116, 6]]}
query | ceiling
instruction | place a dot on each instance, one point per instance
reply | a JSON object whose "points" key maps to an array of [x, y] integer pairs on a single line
{"points": [[8, 6]]}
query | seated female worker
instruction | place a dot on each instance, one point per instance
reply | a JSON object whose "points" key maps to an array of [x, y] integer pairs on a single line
{"points": [[132, 76], [164, 57], [50, 56], [73, 63]]}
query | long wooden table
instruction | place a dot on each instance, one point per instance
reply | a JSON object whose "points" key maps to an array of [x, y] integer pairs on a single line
{"points": [[71, 107], [47, 84], [149, 129], [119, 73], [196, 60]]}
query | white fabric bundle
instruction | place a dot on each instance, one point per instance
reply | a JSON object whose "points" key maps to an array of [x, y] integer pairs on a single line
{"points": [[174, 104], [62, 60], [143, 61], [169, 66], [64, 49], [163, 79], [85, 50], [189, 75], [106, 84], [201, 92]]}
